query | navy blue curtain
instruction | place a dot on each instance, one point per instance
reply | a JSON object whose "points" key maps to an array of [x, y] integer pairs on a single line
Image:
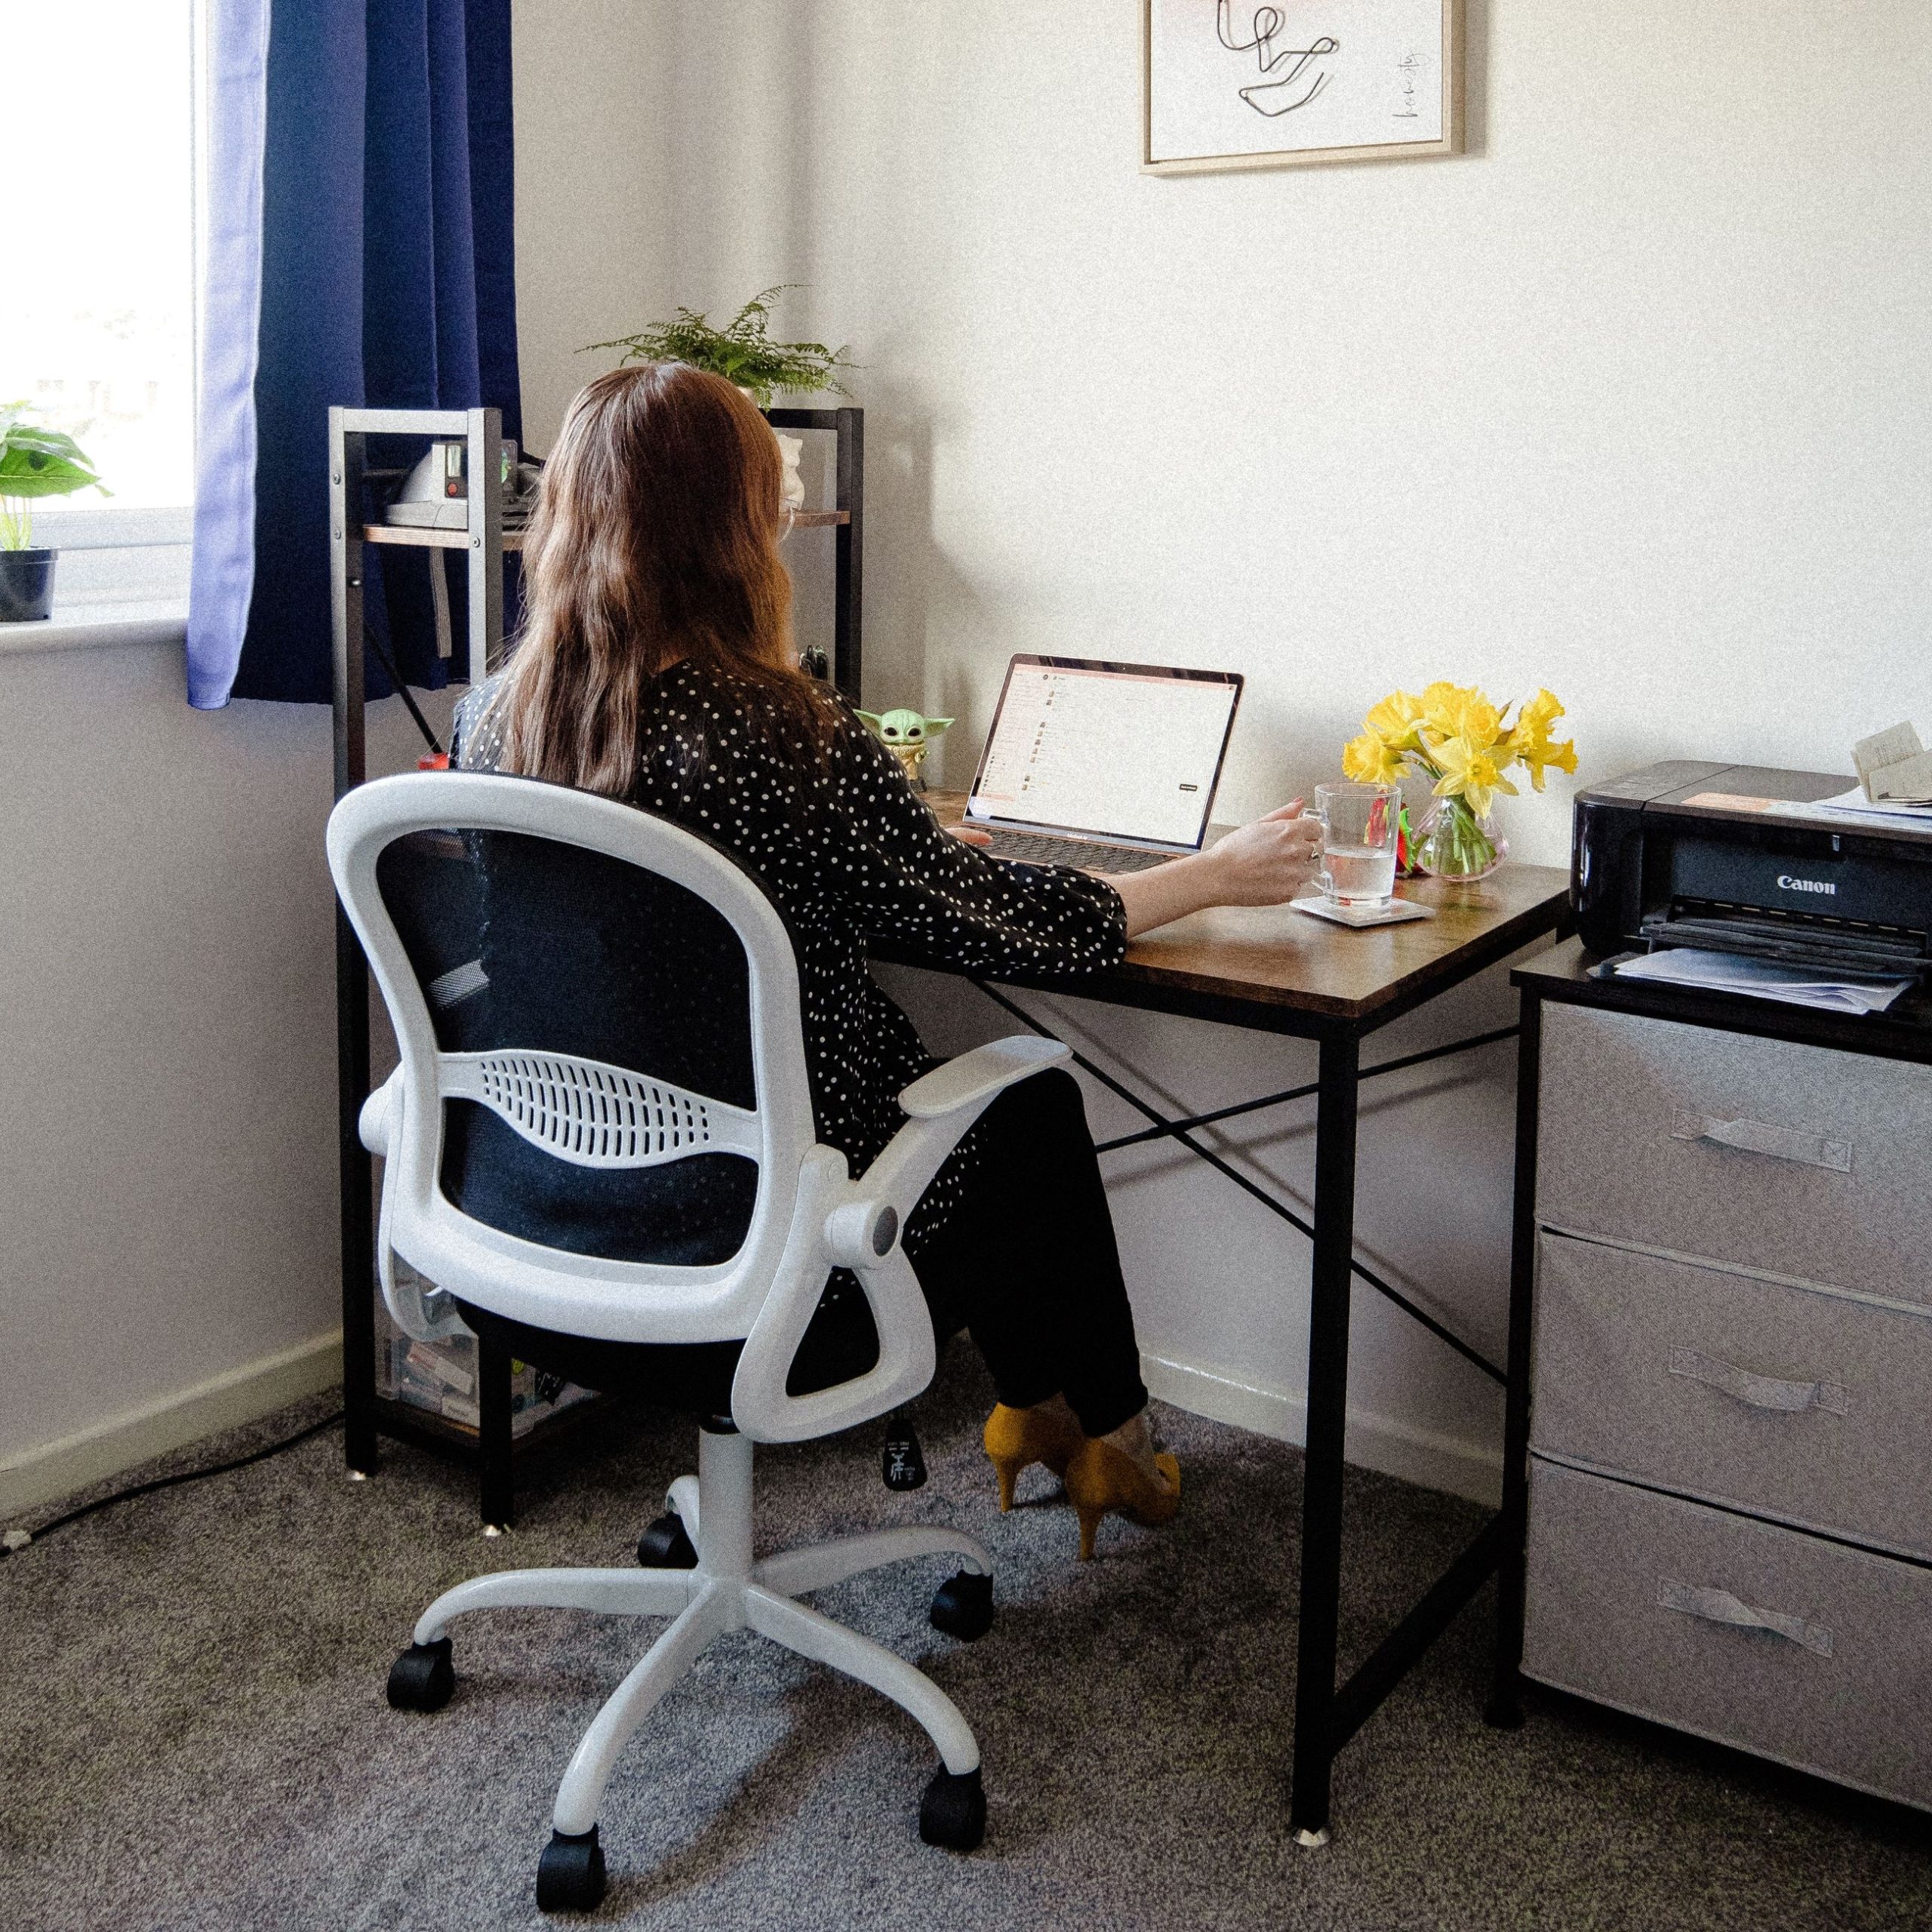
{"points": [[387, 277]]}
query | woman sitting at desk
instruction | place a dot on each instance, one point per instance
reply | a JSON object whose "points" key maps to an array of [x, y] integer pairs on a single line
{"points": [[656, 666]]}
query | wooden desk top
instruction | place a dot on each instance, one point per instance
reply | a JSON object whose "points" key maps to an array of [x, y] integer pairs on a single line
{"points": [[1270, 966]]}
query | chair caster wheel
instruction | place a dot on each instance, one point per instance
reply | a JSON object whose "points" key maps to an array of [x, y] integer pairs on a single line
{"points": [[570, 1875], [963, 1606], [664, 1545], [421, 1679], [953, 1812]]}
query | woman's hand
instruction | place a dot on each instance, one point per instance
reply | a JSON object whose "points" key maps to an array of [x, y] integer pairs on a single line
{"points": [[971, 835], [1266, 863]]}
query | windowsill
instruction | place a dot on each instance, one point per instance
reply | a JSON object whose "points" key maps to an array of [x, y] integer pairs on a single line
{"points": [[98, 626]]}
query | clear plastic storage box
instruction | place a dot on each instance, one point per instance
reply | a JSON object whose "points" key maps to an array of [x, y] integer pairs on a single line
{"points": [[442, 1377]]}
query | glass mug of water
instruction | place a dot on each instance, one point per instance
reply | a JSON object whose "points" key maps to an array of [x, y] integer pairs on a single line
{"points": [[1358, 827]]}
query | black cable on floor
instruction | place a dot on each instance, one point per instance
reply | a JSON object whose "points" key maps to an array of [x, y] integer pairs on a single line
{"points": [[16, 1539]]}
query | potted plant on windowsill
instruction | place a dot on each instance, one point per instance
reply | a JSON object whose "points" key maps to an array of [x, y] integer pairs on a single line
{"points": [[34, 462], [743, 352]]}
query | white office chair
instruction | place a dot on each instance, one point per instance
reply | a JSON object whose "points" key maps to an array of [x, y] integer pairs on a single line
{"points": [[564, 894]]}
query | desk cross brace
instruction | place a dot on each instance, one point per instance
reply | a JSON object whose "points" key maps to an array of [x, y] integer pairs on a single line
{"points": [[1163, 1128], [1328, 1715]]}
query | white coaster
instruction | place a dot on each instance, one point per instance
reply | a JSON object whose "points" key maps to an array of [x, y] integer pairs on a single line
{"points": [[1392, 913]]}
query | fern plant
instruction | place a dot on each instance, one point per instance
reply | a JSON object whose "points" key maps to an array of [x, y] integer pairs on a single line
{"points": [[742, 352]]}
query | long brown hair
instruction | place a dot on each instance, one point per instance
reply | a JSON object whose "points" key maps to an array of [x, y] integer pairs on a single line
{"points": [[655, 539]]}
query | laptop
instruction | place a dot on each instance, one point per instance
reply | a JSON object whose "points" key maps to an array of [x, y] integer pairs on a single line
{"points": [[1110, 767]]}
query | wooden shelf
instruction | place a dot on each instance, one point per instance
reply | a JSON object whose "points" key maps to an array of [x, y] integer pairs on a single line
{"points": [[423, 537]]}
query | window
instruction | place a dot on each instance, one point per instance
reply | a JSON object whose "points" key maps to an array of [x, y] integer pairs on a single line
{"points": [[97, 324]]}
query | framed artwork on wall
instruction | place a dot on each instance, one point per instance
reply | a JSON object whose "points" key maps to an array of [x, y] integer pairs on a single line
{"points": [[1236, 83]]}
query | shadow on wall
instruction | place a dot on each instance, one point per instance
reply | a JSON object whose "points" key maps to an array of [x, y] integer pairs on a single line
{"points": [[923, 614]]}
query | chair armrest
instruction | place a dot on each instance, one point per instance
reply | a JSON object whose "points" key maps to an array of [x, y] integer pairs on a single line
{"points": [[942, 1104], [978, 1076], [857, 1225]]}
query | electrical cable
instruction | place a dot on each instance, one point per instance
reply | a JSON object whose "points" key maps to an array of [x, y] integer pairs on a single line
{"points": [[19, 1539], [402, 690]]}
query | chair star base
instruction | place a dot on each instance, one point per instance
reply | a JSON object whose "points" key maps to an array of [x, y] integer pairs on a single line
{"points": [[726, 1589]]}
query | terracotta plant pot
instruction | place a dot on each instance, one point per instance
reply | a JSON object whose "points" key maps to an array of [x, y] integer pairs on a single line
{"points": [[26, 586]]}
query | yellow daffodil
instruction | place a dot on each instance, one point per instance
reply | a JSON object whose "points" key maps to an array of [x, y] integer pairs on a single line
{"points": [[1454, 736], [1538, 756], [1530, 741], [1395, 719], [1470, 773], [1442, 708], [1370, 760]]}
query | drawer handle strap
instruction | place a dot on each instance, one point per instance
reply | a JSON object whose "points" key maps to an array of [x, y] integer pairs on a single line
{"points": [[1760, 1391], [1715, 1606], [1758, 1137]]}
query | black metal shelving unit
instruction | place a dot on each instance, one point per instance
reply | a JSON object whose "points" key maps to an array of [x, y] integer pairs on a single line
{"points": [[491, 1447]]}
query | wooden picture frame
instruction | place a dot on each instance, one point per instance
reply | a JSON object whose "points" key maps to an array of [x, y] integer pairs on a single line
{"points": [[1200, 57]]}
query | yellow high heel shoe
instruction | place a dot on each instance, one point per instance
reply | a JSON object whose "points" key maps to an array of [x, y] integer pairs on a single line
{"points": [[1102, 1478], [1015, 1438]]}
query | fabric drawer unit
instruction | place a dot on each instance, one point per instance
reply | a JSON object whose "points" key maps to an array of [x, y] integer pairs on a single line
{"points": [[1809, 1406], [1795, 1648], [1803, 1161]]}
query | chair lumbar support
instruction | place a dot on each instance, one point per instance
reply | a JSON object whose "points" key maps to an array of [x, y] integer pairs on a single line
{"points": [[726, 1587]]}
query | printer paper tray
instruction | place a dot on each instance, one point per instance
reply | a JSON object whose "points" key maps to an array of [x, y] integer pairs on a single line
{"points": [[1845, 950]]}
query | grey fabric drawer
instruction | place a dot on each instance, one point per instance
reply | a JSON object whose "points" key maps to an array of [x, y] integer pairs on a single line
{"points": [[1798, 1160], [1800, 1404], [1629, 1595]]}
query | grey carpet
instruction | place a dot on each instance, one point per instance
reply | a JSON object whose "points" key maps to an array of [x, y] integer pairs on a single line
{"points": [[193, 1736]]}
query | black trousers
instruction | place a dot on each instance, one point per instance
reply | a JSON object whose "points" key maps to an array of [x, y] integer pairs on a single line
{"points": [[1028, 1264]]}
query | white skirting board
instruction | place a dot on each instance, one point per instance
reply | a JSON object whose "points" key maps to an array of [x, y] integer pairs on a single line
{"points": [[242, 1394], [226, 1401], [1394, 1448]]}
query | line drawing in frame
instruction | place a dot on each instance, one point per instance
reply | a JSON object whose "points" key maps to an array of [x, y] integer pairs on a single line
{"points": [[1243, 83]]}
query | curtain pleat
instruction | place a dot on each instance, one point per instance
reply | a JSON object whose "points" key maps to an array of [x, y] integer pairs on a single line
{"points": [[373, 290], [224, 551]]}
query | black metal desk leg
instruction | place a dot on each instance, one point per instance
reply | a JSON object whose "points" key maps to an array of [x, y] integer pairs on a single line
{"points": [[1505, 1709], [352, 971], [1327, 1418], [358, 1231]]}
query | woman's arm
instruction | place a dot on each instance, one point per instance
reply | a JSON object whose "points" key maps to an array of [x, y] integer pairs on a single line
{"points": [[1262, 864]]}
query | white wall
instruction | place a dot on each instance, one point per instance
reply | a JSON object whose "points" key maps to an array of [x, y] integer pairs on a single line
{"points": [[167, 1156], [1631, 401]]}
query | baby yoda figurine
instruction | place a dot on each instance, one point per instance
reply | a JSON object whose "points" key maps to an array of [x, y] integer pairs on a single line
{"points": [[905, 734]]}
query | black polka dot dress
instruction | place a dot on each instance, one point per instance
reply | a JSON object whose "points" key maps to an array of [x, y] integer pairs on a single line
{"points": [[851, 854]]}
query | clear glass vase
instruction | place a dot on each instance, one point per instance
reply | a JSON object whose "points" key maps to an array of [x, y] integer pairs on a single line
{"points": [[1452, 842]]}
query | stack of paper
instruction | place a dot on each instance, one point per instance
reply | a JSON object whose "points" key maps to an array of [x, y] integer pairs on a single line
{"points": [[1893, 767], [1763, 979]]}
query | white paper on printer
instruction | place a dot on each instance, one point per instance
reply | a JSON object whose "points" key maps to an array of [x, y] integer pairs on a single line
{"points": [[1894, 767], [1761, 979], [1855, 804]]}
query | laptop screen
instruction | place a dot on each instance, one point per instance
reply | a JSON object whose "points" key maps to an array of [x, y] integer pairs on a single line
{"points": [[1118, 751]]}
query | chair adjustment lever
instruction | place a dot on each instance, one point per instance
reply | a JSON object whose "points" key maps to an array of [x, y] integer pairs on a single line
{"points": [[902, 1462]]}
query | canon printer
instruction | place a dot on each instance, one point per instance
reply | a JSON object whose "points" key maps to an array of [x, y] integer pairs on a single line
{"points": [[1731, 858]]}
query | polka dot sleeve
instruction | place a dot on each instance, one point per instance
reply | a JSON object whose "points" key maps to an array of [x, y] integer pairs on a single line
{"points": [[907, 880]]}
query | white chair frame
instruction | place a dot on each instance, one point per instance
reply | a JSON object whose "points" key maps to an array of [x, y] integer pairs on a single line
{"points": [[809, 1216]]}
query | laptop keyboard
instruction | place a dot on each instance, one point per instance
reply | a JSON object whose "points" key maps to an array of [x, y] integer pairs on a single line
{"points": [[1039, 848]]}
